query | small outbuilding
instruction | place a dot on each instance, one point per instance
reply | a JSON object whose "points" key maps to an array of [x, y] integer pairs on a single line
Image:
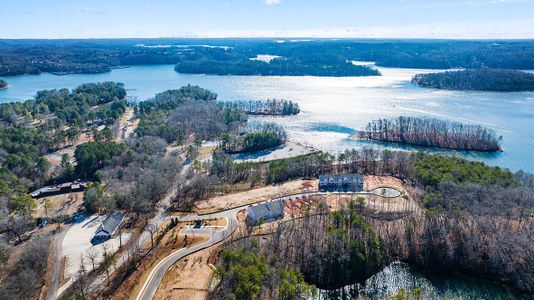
{"points": [[109, 226], [266, 211], [341, 183], [68, 187]]}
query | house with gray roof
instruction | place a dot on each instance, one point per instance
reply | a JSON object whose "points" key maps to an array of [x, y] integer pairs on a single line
{"points": [[341, 183], [266, 211], [109, 226]]}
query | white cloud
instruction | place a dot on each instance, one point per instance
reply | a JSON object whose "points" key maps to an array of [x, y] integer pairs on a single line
{"points": [[271, 2]]}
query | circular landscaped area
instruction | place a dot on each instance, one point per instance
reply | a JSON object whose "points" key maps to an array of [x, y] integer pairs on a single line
{"points": [[386, 192]]}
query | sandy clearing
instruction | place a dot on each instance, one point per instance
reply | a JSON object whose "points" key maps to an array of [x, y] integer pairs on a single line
{"points": [[255, 195], [172, 241], [188, 278], [290, 149], [404, 202], [55, 157], [127, 124], [77, 243], [65, 204]]}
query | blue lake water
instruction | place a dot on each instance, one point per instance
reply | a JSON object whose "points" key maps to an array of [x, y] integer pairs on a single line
{"points": [[332, 108], [431, 286]]}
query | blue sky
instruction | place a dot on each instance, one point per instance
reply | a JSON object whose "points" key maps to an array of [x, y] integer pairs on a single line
{"points": [[267, 18]]}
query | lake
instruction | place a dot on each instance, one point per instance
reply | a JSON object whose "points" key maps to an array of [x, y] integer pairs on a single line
{"points": [[400, 276], [332, 108]]}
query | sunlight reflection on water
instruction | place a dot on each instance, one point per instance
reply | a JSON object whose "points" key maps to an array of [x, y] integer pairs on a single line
{"points": [[346, 102]]}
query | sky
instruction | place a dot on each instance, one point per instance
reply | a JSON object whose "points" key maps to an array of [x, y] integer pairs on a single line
{"points": [[459, 19]]}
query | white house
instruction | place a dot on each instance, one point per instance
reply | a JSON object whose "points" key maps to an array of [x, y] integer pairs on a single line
{"points": [[109, 226]]}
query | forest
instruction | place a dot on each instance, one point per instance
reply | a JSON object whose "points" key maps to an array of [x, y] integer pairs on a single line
{"points": [[277, 67], [96, 56], [256, 138], [144, 164], [52, 120], [171, 99], [176, 115], [496, 80], [431, 132], [327, 250], [476, 221], [76, 107], [270, 107], [27, 277]]}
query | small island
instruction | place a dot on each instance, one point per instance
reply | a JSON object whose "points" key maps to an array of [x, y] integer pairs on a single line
{"points": [[496, 80], [430, 132], [3, 84], [255, 138], [270, 107], [276, 67]]}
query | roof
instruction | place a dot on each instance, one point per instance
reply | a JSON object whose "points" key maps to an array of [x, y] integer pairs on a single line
{"points": [[268, 209], [336, 179], [112, 222], [59, 188]]}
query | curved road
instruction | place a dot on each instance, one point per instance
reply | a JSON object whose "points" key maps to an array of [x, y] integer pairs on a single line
{"points": [[158, 272], [156, 275]]}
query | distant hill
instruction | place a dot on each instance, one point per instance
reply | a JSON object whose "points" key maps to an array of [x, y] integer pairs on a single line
{"points": [[102, 55], [498, 80]]}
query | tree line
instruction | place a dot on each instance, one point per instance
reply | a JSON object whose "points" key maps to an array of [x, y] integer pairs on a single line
{"points": [[98, 56], [431, 132], [23, 144], [62, 106], [476, 219], [277, 67], [324, 249], [258, 137], [176, 115], [77, 57], [270, 107], [497, 80], [27, 277], [136, 174]]}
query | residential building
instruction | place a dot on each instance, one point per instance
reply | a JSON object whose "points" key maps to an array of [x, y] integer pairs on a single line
{"points": [[109, 226], [341, 183], [266, 211]]}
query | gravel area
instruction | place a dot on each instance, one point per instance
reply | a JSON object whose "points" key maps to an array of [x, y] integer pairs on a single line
{"points": [[77, 243]]}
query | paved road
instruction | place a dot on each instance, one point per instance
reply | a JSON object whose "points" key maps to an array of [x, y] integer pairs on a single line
{"points": [[156, 221], [56, 275], [158, 272], [156, 275]]}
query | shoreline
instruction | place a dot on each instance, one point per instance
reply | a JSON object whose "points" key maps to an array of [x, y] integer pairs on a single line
{"points": [[288, 150], [357, 138]]}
